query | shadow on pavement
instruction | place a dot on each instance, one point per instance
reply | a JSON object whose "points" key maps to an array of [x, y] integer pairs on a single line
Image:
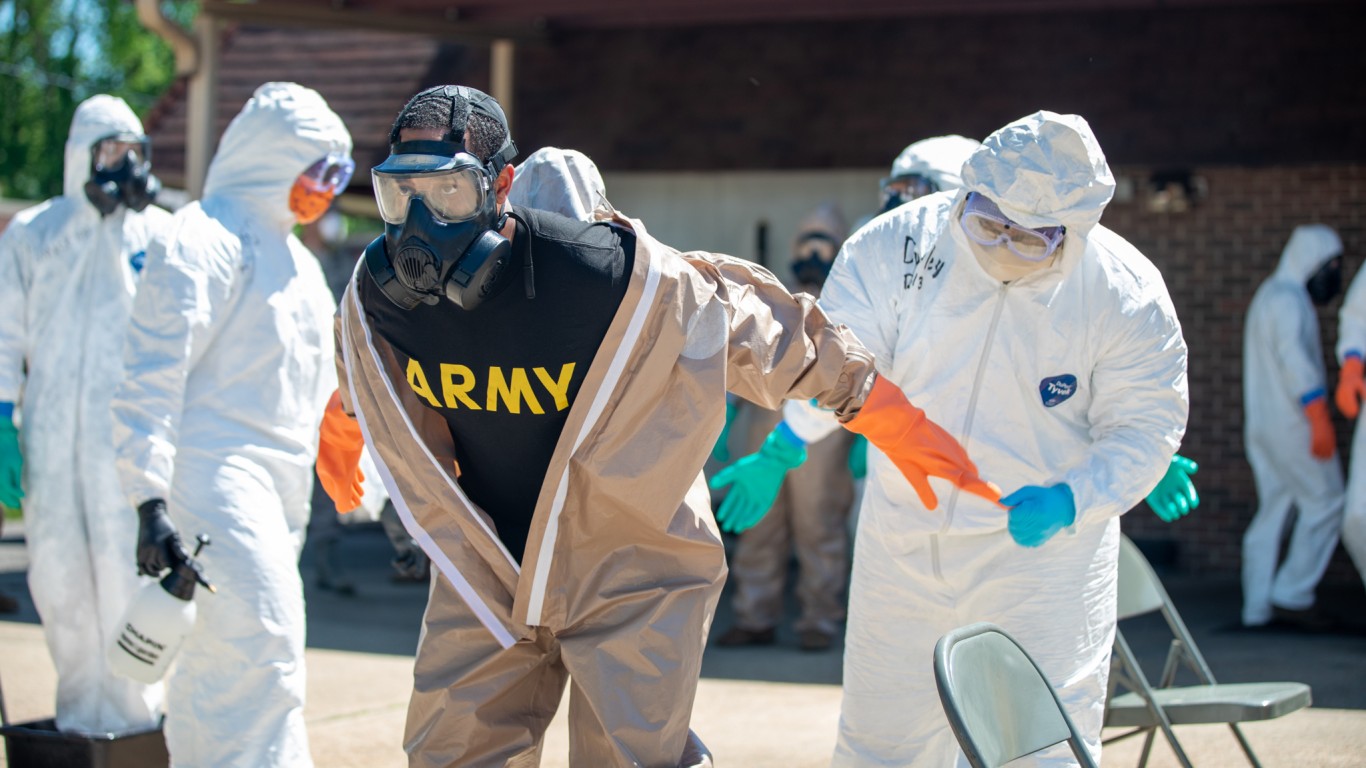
{"points": [[384, 616]]}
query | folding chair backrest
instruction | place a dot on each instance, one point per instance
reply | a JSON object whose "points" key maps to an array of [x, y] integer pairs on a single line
{"points": [[999, 703], [1140, 591]]}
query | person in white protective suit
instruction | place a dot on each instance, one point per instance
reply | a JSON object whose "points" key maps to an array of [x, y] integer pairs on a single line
{"points": [[228, 372], [1288, 433], [68, 271], [1351, 390], [1049, 346]]}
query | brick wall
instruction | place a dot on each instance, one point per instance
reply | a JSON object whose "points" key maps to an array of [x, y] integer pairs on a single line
{"points": [[1213, 257], [1252, 86]]}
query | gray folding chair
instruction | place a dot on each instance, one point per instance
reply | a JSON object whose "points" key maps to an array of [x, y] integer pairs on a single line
{"points": [[1146, 708], [999, 704]]}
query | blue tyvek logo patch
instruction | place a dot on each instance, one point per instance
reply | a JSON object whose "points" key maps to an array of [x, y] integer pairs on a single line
{"points": [[1056, 389], [137, 260]]}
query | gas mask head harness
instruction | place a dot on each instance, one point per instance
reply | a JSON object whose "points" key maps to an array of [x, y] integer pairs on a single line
{"points": [[121, 173], [441, 222]]}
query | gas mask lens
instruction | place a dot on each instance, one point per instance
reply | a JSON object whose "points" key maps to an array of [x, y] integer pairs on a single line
{"points": [[906, 188], [452, 195], [111, 153], [984, 224]]}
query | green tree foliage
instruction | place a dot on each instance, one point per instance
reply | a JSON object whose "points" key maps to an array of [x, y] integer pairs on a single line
{"points": [[53, 55]]}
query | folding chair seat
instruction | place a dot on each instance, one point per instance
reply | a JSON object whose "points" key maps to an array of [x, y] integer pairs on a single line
{"points": [[1146, 708], [998, 702]]}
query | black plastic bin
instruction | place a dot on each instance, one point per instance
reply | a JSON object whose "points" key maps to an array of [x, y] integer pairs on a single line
{"points": [[39, 744]]}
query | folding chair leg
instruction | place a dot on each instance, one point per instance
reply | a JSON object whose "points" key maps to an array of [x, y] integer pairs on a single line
{"points": [[1147, 747], [1136, 672], [1247, 748]]}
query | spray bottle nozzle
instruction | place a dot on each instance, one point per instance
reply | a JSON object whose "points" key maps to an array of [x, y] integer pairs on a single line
{"points": [[201, 541], [181, 581]]}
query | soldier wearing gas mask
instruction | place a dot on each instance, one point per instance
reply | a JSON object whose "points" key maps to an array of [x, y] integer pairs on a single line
{"points": [[540, 395], [68, 271]]}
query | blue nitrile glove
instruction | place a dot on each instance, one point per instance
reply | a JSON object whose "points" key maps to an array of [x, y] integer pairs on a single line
{"points": [[1037, 513], [858, 457], [721, 451], [11, 459], [1175, 493], [757, 478]]}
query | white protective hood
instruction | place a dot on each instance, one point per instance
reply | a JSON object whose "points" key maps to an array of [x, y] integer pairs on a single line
{"points": [[95, 118], [1309, 248], [283, 129], [563, 181], [1044, 170], [939, 159]]}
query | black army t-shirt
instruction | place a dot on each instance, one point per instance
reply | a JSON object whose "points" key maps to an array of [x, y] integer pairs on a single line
{"points": [[505, 374]]}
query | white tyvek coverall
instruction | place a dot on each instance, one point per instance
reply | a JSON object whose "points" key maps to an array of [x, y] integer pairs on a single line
{"points": [[563, 181], [67, 278], [1283, 362], [978, 356], [1352, 338], [229, 368]]}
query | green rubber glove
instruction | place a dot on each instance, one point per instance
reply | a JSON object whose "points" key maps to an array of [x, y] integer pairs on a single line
{"points": [[11, 460], [1175, 494], [757, 479], [721, 451], [858, 457]]}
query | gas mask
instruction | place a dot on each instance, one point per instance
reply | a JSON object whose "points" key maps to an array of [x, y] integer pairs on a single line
{"points": [[121, 173], [815, 252], [441, 226], [899, 190], [1326, 282], [316, 188]]}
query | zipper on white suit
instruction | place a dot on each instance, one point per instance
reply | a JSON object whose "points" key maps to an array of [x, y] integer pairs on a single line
{"points": [[966, 434]]}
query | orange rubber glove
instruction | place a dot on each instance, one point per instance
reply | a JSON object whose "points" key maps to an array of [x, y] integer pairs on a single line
{"points": [[917, 446], [339, 449], [1351, 387], [1322, 441]]}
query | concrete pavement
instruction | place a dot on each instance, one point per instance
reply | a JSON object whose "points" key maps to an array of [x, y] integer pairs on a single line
{"points": [[756, 707]]}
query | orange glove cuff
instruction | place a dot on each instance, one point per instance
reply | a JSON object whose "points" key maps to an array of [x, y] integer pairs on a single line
{"points": [[915, 444], [339, 447], [1351, 387], [1322, 440]]}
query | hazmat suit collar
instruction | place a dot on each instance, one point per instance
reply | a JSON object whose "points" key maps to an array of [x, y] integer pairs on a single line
{"points": [[562, 181], [95, 118], [1044, 170], [1309, 248], [282, 130]]}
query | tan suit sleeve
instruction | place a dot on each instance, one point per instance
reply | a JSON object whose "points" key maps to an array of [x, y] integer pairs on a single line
{"points": [[782, 346]]}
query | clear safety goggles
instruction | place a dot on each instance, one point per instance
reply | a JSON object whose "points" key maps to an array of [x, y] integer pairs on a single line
{"points": [[111, 152], [907, 187], [330, 174], [984, 224], [454, 190]]}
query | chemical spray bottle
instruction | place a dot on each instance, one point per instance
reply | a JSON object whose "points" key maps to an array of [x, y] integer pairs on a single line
{"points": [[156, 622]]}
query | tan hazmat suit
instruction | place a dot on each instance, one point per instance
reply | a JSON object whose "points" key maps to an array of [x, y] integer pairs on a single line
{"points": [[624, 563]]}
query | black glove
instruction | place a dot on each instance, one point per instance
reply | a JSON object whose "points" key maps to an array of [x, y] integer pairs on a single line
{"points": [[159, 544]]}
